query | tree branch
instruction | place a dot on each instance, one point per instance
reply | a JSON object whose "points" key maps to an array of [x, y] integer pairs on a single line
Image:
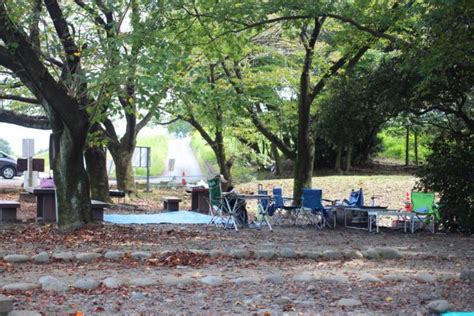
{"points": [[38, 122], [19, 98], [363, 28]]}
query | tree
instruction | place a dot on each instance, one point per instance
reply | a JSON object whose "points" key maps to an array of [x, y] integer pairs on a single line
{"points": [[63, 100], [347, 41], [5, 146]]}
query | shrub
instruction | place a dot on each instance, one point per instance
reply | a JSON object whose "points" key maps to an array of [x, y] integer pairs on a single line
{"points": [[449, 170]]}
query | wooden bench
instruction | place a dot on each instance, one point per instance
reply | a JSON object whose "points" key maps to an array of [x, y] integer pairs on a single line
{"points": [[171, 203], [118, 194], [98, 210], [8, 210]]}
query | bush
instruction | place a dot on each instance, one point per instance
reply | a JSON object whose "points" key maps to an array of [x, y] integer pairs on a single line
{"points": [[449, 170]]}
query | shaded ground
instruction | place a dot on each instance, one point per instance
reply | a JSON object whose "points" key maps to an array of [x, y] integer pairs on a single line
{"points": [[245, 287], [440, 255]]}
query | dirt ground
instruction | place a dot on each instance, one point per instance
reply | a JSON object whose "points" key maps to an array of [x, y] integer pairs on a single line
{"points": [[247, 285]]}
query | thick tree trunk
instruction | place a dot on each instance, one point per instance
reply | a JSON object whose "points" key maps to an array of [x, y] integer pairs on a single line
{"points": [[224, 166], [337, 167], [70, 177], [123, 168], [407, 147], [96, 163], [349, 158], [303, 165]]}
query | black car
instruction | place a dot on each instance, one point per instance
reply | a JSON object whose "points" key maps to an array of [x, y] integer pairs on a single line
{"points": [[8, 167]]}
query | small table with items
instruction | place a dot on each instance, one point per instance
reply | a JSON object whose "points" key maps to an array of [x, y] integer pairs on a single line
{"points": [[233, 201]]}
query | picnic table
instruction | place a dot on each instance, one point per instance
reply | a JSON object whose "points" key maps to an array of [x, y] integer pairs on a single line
{"points": [[45, 203], [240, 199]]}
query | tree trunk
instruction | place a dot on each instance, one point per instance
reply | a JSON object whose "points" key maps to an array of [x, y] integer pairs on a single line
{"points": [[123, 168], [303, 166], [277, 158], [224, 165], [416, 148], [338, 159], [349, 158], [407, 147], [70, 177], [96, 163]]}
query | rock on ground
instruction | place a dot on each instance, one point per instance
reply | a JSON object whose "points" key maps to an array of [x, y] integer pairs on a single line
{"points": [[239, 253], [244, 280], [112, 282], [50, 283], [265, 254], [438, 306], [88, 256], [348, 302], [42, 257], [352, 254], [6, 304], [288, 253], [64, 256], [114, 254], [21, 286], [467, 275], [369, 278], [23, 313], [86, 284], [274, 278], [141, 255], [14, 258], [425, 277], [212, 280], [304, 277], [332, 255], [142, 282], [335, 278]]}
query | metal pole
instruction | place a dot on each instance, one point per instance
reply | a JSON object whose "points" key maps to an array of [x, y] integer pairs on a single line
{"points": [[148, 159]]}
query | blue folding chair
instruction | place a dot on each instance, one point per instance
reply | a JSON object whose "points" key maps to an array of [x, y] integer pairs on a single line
{"points": [[282, 206], [312, 208], [356, 199]]}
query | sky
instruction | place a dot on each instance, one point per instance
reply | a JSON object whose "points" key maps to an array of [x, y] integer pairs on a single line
{"points": [[14, 134]]}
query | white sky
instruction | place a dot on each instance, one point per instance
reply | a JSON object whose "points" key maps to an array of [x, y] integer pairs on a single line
{"points": [[14, 135]]}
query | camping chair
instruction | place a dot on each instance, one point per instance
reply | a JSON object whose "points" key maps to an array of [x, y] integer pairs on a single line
{"points": [[281, 205], [425, 209], [215, 201], [264, 207], [312, 208], [356, 199]]}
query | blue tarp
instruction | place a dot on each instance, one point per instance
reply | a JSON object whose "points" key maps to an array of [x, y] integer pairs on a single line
{"points": [[181, 217]]}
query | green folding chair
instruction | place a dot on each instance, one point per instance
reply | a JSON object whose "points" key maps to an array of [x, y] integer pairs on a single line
{"points": [[215, 201], [425, 209]]}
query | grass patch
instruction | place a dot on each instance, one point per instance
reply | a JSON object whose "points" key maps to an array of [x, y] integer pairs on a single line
{"points": [[159, 151], [394, 145]]}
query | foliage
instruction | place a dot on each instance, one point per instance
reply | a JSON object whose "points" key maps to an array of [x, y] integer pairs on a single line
{"points": [[159, 151], [393, 143], [449, 170], [5, 146]]}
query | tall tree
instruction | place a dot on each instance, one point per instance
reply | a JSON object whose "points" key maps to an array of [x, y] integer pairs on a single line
{"points": [[64, 100]]}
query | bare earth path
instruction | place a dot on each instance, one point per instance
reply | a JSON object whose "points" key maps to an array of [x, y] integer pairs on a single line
{"points": [[206, 270]]}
